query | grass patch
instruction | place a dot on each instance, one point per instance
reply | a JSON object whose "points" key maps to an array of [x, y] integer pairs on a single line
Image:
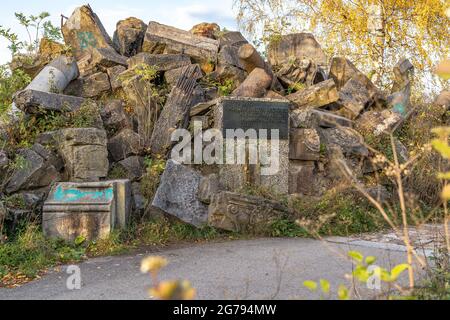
{"points": [[29, 253], [338, 213]]}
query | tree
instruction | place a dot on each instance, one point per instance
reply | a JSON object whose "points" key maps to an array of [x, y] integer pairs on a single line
{"points": [[36, 27], [374, 34]]}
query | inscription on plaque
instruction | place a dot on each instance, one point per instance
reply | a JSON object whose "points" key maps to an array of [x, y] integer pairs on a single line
{"points": [[257, 115]]}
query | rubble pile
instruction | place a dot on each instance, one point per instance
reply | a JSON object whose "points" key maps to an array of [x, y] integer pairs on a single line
{"points": [[151, 79]]}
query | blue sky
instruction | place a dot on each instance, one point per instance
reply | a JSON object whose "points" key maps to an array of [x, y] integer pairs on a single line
{"points": [[179, 13]]}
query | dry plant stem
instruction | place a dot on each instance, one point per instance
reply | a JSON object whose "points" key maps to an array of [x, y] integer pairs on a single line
{"points": [[446, 222], [348, 173], [401, 197]]}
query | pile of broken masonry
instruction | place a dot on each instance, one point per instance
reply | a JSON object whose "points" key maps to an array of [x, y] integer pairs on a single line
{"points": [[327, 105]]}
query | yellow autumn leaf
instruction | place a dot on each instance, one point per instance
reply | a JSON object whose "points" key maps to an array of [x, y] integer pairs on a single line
{"points": [[445, 195], [442, 147], [443, 69], [444, 176], [311, 285], [343, 293], [153, 264]]}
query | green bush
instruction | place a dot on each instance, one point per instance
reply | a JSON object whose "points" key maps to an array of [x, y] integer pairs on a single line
{"points": [[10, 83]]}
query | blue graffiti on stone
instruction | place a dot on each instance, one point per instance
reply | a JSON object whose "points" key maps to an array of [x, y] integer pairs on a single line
{"points": [[399, 108], [74, 195], [86, 40]]}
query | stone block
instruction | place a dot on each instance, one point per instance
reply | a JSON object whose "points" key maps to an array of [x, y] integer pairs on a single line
{"points": [[160, 39], [241, 213], [129, 36], [311, 118], [91, 210], [208, 187], [173, 75], [134, 167], [296, 45], [35, 102], [304, 145], [161, 62], [260, 117], [177, 194], [302, 178], [35, 172], [114, 116], [125, 144], [113, 74], [354, 98], [95, 85], [84, 152], [316, 96], [83, 31]]}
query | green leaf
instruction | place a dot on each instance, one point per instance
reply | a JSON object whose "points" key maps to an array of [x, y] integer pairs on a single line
{"points": [[311, 285], [343, 293], [370, 260], [357, 256], [384, 274], [398, 270], [80, 240], [361, 273], [325, 285]]}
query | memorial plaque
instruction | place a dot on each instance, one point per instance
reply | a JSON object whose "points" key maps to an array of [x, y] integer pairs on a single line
{"points": [[256, 114]]}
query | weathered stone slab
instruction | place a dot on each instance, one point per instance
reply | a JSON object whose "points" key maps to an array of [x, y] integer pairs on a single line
{"points": [[161, 62], [83, 31], [134, 167], [126, 143], [302, 177], [329, 120], [91, 210], [232, 38], [107, 58], [95, 85], [160, 39], [342, 70], [172, 76], [354, 97], [205, 29], [298, 71], [208, 187], [296, 45], [403, 72], [175, 114], [113, 74], [129, 36], [177, 194], [33, 102], [316, 96], [35, 173], [240, 213], [114, 116], [84, 152], [304, 145], [349, 140]]}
